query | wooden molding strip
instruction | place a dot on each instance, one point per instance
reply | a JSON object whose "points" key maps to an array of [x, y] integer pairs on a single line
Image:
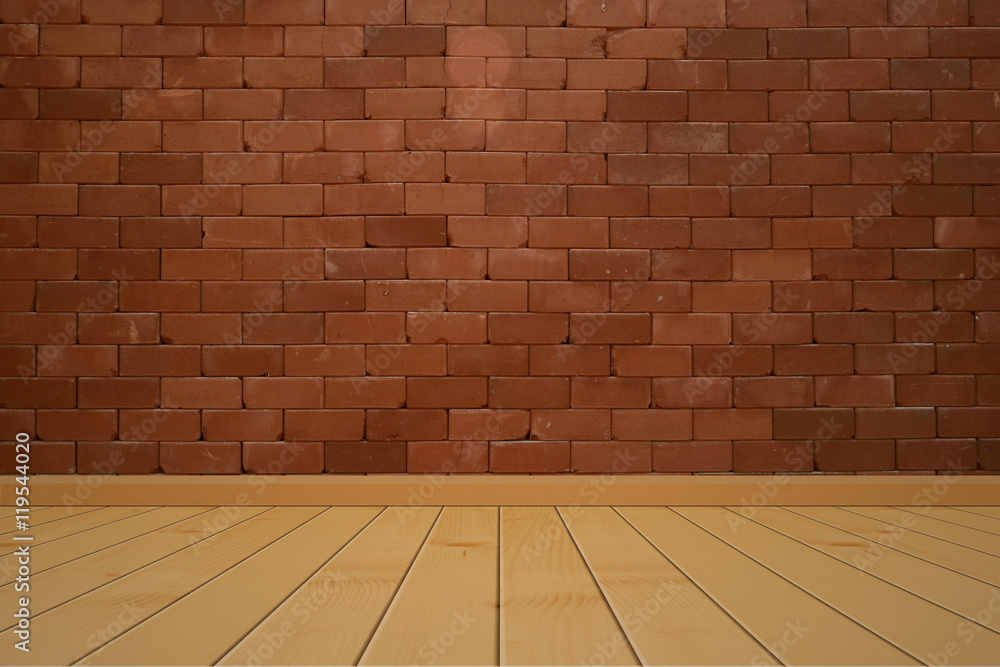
{"points": [[509, 490]]}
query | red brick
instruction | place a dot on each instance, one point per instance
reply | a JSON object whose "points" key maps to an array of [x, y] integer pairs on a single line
{"points": [[231, 105], [894, 358], [800, 106], [494, 231], [746, 423], [38, 72], [421, 166], [853, 327], [122, 12], [570, 359], [622, 328], [686, 75], [768, 392], [401, 295], [365, 392], [200, 458], [651, 296], [895, 422], [365, 457], [812, 232], [111, 328], [691, 328], [813, 423], [485, 295], [813, 359], [934, 327], [146, 295], [767, 14], [243, 361], [322, 40], [571, 424], [487, 359], [469, 167], [182, 425], [936, 454], [208, 137], [34, 393], [769, 138], [689, 456], [605, 137], [968, 358], [38, 135], [563, 297], [692, 200], [77, 425], [381, 12], [197, 13], [530, 457], [275, 12], [612, 392], [82, 296], [361, 263], [448, 392], [406, 424], [773, 456], [159, 41], [324, 424], [80, 104], [864, 264], [332, 232], [744, 297], [430, 263], [446, 456], [406, 360], [651, 424], [20, 103], [650, 233], [847, 12], [529, 392], [117, 458], [855, 455], [278, 458], [241, 425], [311, 360], [727, 106], [691, 265], [246, 296], [366, 198], [650, 361], [449, 72], [202, 393], [688, 138], [617, 457], [152, 168], [514, 328], [77, 232], [935, 390], [242, 232], [531, 200], [855, 390], [734, 360], [715, 44], [285, 136]]}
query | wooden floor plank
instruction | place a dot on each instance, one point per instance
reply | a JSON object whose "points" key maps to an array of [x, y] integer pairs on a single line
{"points": [[51, 554], [59, 528], [65, 582], [446, 610], [984, 511], [72, 630], [38, 516], [890, 612], [330, 619], [970, 562], [667, 618], [57, 531], [967, 519], [957, 592], [946, 530], [550, 603], [203, 626], [797, 628]]}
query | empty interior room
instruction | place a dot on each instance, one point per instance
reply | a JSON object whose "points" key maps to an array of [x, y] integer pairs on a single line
{"points": [[500, 332]]}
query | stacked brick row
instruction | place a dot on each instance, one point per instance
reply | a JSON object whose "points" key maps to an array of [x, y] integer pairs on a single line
{"points": [[509, 236]]}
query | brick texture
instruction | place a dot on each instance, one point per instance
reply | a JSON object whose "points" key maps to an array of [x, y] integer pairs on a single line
{"points": [[640, 236]]}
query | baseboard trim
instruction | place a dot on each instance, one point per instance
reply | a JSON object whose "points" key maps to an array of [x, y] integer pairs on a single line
{"points": [[510, 490]]}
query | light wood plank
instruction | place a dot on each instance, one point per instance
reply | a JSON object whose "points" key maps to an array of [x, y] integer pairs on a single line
{"points": [[330, 619], [65, 582], [797, 628], [952, 590], [985, 511], [51, 554], [953, 556], [202, 627], [73, 630], [667, 618], [445, 611], [967, 519], [507, 490], [550, 603], [58, 530], [38, 516], [969, 537], [890, 612]]}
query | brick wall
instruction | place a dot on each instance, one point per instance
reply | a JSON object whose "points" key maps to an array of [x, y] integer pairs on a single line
{"points": [[500, 235]]}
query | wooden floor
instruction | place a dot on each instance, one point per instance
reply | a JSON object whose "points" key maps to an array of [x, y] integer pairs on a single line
{"points": [[507, 585]]}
